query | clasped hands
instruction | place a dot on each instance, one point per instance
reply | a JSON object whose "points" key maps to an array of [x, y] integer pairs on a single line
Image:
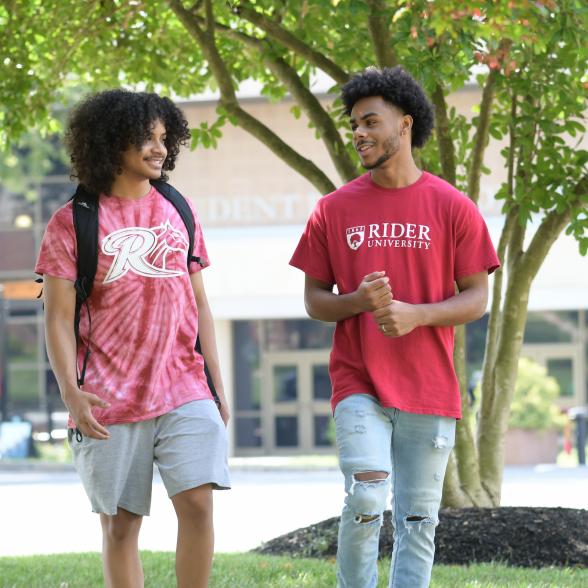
{"points": [[394, 318]]}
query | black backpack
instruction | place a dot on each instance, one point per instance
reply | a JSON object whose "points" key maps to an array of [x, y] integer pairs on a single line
{"points": [[85, 218]]}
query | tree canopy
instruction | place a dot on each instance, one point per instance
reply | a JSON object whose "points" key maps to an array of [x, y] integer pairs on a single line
{"points": [[528, 59]]}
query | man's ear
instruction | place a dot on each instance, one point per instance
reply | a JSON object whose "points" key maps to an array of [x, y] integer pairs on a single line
{"points": [[406, 124]]}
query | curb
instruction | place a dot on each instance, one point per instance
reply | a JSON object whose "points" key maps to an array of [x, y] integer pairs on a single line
{"points": [[236, 465]]}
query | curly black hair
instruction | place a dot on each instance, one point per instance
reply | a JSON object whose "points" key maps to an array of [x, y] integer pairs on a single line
{"points": [[396, 86], [104, 125]]}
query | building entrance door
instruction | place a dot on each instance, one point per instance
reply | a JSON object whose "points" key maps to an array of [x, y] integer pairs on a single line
{"points": [[296, 408]]}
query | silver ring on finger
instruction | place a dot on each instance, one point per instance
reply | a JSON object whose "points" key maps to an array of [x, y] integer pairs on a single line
{"points": [[383, 328]]}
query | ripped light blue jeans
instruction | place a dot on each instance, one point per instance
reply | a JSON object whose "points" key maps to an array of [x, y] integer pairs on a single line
{"points": [[411, 450]]}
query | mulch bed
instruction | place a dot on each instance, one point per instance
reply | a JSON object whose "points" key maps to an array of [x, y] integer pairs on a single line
{"points": [[516, 536]]}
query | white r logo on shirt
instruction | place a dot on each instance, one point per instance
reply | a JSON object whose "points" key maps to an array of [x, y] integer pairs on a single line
{"points": [[132, 246]]}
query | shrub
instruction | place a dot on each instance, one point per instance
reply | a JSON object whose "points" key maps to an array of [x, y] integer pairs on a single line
{"points": [[534, 403]]}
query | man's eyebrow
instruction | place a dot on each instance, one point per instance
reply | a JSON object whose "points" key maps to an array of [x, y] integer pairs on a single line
{"points": [[367, 115]]}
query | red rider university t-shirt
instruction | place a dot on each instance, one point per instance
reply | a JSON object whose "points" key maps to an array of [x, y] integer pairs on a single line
{"points": [[142, 306], [424, 236]]}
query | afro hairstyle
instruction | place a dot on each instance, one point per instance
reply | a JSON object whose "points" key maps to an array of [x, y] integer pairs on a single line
{"points": [[396, 86], [104, 125]]}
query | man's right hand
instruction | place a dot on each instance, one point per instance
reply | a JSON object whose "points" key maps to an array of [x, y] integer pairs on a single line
{"points": [[79, 404], [374, 292]]}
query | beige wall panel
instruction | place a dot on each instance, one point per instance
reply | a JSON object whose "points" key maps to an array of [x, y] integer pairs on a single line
{"points": [[243, 182]]}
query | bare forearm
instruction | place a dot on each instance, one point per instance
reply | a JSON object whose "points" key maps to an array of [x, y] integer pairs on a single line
{"points": [[61, 350], [462, 308], [329, 307], [208, 345], [400, 318]]}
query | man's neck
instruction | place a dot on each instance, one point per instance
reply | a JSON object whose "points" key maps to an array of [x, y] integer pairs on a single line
{"points": [[397, 172], [130, 188]]}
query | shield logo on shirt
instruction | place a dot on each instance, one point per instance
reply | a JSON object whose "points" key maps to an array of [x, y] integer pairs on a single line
{"points": [[355, 237]]}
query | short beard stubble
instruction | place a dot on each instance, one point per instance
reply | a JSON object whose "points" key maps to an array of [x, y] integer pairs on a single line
{"points": [[391, 146]]}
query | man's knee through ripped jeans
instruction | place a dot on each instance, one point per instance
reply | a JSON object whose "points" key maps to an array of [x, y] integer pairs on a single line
{"points": [[368, 495]]}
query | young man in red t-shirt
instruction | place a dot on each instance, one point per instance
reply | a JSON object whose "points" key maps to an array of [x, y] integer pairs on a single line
{"points": [[145, 397], [395, 242]]}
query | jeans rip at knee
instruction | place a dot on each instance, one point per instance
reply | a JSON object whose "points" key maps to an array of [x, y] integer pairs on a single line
{"points": [[367, 499], [416, 522]]}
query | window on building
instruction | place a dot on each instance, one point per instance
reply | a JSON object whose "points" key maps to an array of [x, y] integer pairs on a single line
{"points": [[563, 371], [551, 327]]}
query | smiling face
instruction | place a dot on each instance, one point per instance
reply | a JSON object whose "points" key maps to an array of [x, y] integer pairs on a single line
{"points": [[379, 130], [146, 162]]}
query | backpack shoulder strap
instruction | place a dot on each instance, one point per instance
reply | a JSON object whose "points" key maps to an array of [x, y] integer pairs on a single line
{"points": [[184, 210], [85, 220]]}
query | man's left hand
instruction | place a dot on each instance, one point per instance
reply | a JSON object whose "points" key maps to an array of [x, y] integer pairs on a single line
{"points": [[398, 318], [224, 412]]}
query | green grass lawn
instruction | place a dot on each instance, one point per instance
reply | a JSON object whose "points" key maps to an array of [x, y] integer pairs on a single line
{"points": [[247, 571]]}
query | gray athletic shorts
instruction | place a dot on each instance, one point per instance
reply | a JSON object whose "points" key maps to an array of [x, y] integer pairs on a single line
{"points": [[188, 444]]}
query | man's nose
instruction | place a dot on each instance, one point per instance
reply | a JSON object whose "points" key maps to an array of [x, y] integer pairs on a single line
{"points": [[359, 132]]}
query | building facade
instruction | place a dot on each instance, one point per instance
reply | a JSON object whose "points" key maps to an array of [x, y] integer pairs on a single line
{"points": [[274, 358]]}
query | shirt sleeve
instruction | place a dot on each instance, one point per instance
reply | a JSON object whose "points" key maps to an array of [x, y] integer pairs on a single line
{"points": [[312, 253], [474, 251], [199, 250], [57, 255]]}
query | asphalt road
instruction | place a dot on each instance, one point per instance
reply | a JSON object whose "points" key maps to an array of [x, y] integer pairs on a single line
{"points": [[48, 512]]}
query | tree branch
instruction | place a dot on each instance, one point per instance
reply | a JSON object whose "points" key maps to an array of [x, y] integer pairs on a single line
{"points": [[305, 167], [549, 230], [443, 133], [305, 98], [481, 136], [515, 245], [247, 122], [380, 33], [495, 318], [513, 145], [290, 41], [195, 8], [493, 323], [494, 421], [209, 17]]}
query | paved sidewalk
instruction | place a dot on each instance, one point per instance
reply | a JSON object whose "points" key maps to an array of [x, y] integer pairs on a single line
{"points": [[44, 511]]}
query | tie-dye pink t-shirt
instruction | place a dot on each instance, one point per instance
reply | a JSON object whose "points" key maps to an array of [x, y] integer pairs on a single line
{"points": [[142, 306]]}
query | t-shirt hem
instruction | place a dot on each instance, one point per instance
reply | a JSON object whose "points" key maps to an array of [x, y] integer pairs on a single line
{"points": [[313, 274], [403, 407], [427, 410], [489, 266], [195, 267], [146, 417], [55, 274]]}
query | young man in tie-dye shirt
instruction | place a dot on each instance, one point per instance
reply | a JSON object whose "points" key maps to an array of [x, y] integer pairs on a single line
{"points": [[145, 397]]}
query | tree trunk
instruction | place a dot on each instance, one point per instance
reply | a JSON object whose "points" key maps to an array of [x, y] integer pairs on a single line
{"points": [[462, 486], [499, 391]]}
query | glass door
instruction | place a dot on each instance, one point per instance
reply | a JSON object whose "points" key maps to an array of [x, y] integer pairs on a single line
{"points": [[296, 407]]}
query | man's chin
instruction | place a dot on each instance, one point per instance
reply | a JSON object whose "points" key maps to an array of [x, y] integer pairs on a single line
{"points": [[153, 174], [369, 166], [382, 159]]}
